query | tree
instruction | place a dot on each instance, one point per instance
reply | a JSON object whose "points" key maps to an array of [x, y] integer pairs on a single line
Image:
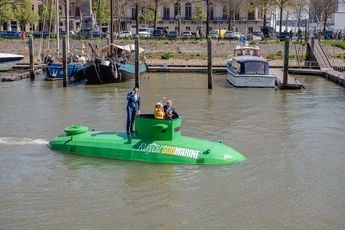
{"points": [[198, 15], [6, 13], [264, 5], [328, 7], [300, 7], [230, 9], [24, 14], [102, 9], [282, 4], [321, 10]]}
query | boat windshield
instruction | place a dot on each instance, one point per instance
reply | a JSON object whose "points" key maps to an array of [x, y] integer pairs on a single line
{"points": [[254, 67]]}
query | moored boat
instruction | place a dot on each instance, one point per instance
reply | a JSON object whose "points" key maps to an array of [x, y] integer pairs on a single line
{"points": [[54, 71], [154, 140], [248, 69], [117, 67], [7, 61]]}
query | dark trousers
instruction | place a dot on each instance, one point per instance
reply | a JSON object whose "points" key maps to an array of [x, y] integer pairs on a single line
{"points": [[130, 119]]}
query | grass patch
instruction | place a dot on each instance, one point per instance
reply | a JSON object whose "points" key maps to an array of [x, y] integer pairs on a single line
{"points": [[340, 44], [167, 55]]}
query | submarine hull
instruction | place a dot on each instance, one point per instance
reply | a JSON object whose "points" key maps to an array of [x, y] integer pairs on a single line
{"points": [[158, 141], [118, 145]]}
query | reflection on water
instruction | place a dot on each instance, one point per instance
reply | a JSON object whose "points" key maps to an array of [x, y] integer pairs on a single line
{"points": [[293, 140]]}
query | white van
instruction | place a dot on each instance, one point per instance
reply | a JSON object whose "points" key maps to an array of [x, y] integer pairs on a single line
{"points": [[144, 32]]}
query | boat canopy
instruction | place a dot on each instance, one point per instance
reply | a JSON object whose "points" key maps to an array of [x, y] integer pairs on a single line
{"points": [[128, 48], [247, 51], [255, 67]]}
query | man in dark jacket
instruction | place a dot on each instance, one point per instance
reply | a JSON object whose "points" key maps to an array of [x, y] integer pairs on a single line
{"points": [[170, 112], [133, 108]]}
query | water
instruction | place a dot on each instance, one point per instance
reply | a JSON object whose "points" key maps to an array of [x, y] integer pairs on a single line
{"points": [[294, 177]]}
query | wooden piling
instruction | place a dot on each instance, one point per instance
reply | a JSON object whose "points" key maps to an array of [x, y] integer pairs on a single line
{"points": [[209, 62], [64, 61], [31, 56], [286, 60], [137, 61]]}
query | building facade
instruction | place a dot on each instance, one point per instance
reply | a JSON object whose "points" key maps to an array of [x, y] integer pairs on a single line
{"points": [[180, 18], [338, 18], [171, 16]]}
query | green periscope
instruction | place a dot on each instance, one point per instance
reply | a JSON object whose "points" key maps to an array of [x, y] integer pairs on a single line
{"points": [[154, 140]]}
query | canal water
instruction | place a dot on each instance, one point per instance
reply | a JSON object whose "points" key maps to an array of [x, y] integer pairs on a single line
{"points": [[293, 178]]}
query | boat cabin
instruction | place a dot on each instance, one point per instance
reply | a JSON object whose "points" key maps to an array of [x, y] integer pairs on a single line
{"points": [[249, 66]]}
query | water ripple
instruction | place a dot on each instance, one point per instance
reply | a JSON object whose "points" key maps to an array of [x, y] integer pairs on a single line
{"points": [[22, 141]]}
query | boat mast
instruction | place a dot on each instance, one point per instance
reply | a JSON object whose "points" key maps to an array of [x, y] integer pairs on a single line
{"points": [[111, 22], [67, 23], [57, 26]]}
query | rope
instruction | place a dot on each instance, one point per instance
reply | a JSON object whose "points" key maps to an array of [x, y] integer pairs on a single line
{"points": [[97, 73]]}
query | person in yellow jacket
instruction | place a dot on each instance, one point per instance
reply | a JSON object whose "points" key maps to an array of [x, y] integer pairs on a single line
{"points": [[158, 111]]}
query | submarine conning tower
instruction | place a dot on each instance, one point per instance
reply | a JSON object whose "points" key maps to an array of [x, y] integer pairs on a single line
{"points": [[147, 127]]}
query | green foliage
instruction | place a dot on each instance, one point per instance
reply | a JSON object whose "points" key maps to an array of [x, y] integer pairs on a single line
{"points": [[198, 16], [24, 14], [6, 12], [102, 11], [167, 55], [275, 56], [147, 15], [270, 56], [47, 13], [340, 44]]}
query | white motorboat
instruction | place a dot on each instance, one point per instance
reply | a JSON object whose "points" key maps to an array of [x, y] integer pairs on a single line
{"points": [[7, 61], [248, 69]]}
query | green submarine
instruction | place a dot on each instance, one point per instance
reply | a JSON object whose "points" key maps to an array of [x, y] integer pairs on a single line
{"points": [[154, 140]]}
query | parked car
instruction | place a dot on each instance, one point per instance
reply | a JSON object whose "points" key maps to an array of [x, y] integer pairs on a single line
{"points": [[125, 34], [165, 31], [232, 35], [186, 34], [96, 34], [213, 34], [172, 35], [228, 34], [144, 32], [9, 34], [158, 33], [252, 37], [41, 34], [267, 31], [260, 34]]}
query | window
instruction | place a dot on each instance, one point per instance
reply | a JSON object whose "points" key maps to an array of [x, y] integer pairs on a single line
{"points": [[40, 10], [225, 12], [133, 13], [211, 12], [166, 13], [251, 15], [177, 9], [77, 11], [188, 10], [237, 15]]}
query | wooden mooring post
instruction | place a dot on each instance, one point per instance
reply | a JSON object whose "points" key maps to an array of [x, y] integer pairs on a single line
{"points": [[64, 61], [209, 62], [283, 80], [137, 61], [31, 57], [286, 60]]}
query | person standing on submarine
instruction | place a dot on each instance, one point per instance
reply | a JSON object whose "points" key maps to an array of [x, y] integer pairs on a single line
{"points": [[133, 108]]}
